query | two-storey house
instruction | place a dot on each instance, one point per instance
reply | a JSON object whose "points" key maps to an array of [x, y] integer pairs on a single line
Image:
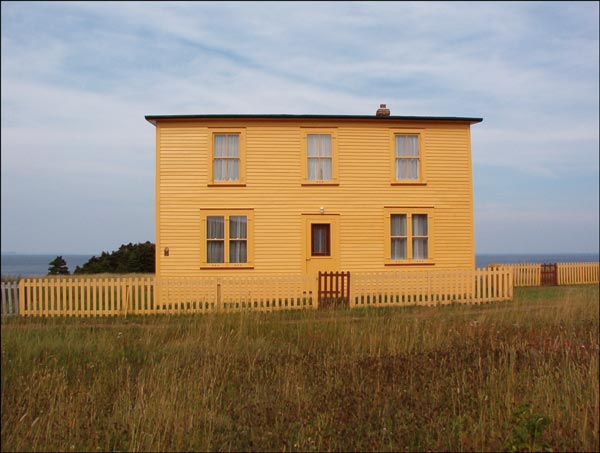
{"points": [[293, 194]]}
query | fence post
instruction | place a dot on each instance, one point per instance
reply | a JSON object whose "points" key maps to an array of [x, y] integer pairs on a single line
{"points": [[127, 295], [318, 289], [350, 294], [314, 284], [22, 307], [157, 290], [219, 305], [348, 289], [15, 287]]}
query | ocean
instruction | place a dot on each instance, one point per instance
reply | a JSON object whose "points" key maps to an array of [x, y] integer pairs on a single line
{"points": [[482, 260], [31, 265]]}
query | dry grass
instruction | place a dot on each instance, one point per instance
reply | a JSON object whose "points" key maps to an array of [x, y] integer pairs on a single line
{"points": [[447, 378]]}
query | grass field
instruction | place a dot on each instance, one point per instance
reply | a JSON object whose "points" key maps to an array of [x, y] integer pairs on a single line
{"points": [[513, 376]]}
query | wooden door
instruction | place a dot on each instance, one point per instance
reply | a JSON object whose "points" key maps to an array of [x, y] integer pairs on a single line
{"points": [[321, 243]]}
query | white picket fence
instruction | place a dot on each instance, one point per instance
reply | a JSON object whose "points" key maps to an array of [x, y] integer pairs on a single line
{"points": [[10, 298], [429, 287], [141, 295], [530, 274]]}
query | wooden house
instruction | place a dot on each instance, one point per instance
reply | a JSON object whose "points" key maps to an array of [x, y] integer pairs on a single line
{"points": [[294, 194]]}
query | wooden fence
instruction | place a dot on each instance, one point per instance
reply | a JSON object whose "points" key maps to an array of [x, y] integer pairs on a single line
{"points": [[227, 294], [112, 296], [529, 274], [88, 296], [526, 274], [82, 296], [10, 298], [577, 273], [431, 287]]}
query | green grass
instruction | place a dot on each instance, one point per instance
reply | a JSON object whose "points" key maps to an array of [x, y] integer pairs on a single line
{"points": [[518, 376]]}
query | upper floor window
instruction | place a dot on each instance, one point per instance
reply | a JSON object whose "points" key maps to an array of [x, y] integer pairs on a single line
{"points": [[319, 157], [407, 157], [227, 157]]}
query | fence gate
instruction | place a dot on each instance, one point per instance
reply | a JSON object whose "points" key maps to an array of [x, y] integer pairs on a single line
{"points": [[549, 275], [334, 289]]}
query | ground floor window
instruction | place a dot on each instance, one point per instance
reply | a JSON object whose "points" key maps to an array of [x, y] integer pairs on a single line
{"points": [[408, 235], [227, 238], [420, 237]]}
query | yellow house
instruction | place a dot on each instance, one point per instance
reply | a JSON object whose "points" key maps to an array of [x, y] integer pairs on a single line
{"points": [[294, 194]]}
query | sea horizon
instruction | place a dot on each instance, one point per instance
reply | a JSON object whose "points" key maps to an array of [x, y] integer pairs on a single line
{"points": [[37, 264]]}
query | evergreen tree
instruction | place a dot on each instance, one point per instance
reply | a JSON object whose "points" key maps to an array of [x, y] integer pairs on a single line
{"points": [[58, 266], [138, 258]]}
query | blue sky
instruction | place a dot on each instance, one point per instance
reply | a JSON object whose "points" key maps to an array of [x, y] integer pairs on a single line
{"points": [[77, 79]]}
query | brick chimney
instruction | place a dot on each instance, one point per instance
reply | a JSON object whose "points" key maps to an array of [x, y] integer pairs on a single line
{"points": [[382, 111]]}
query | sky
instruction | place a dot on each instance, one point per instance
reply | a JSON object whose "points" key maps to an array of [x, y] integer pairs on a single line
{"points": [[77, 79]]}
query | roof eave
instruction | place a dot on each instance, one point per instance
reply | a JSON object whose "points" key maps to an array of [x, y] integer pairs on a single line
{"points": [[154, 118]]}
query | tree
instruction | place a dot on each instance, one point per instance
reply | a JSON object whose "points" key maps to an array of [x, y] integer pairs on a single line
{"points": [[128, 258], [58, 266]]}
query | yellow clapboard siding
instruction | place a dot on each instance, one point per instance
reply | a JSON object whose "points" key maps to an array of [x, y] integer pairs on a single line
{"points": [[273, 190]]}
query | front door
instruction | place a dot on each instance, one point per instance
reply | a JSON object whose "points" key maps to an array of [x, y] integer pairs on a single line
{"points": [[321, 243]]}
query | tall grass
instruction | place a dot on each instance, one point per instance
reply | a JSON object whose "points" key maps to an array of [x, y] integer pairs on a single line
{"points": [[427, 378]]}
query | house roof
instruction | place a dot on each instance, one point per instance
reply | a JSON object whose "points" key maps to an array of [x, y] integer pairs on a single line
{"points": [[153, 118]]}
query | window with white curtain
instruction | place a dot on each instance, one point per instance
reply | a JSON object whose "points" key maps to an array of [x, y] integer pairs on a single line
{"points": [[408, 236], [227, 239], [226, 157], [407, 157], [319, 155], [398, 235], [420, 236], [238, 239], [215, 239]]}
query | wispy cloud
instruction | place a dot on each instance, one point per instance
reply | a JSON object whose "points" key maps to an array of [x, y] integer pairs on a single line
{"points": [[77, 79]]}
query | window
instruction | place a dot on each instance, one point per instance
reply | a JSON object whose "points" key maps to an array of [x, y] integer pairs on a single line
{"points": [[227, 157], [419, 237], [238, 239], [319, 157], [408, 235], [398, 236], [215, 239], [407, 157], [227, 238], [320, 239]]}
